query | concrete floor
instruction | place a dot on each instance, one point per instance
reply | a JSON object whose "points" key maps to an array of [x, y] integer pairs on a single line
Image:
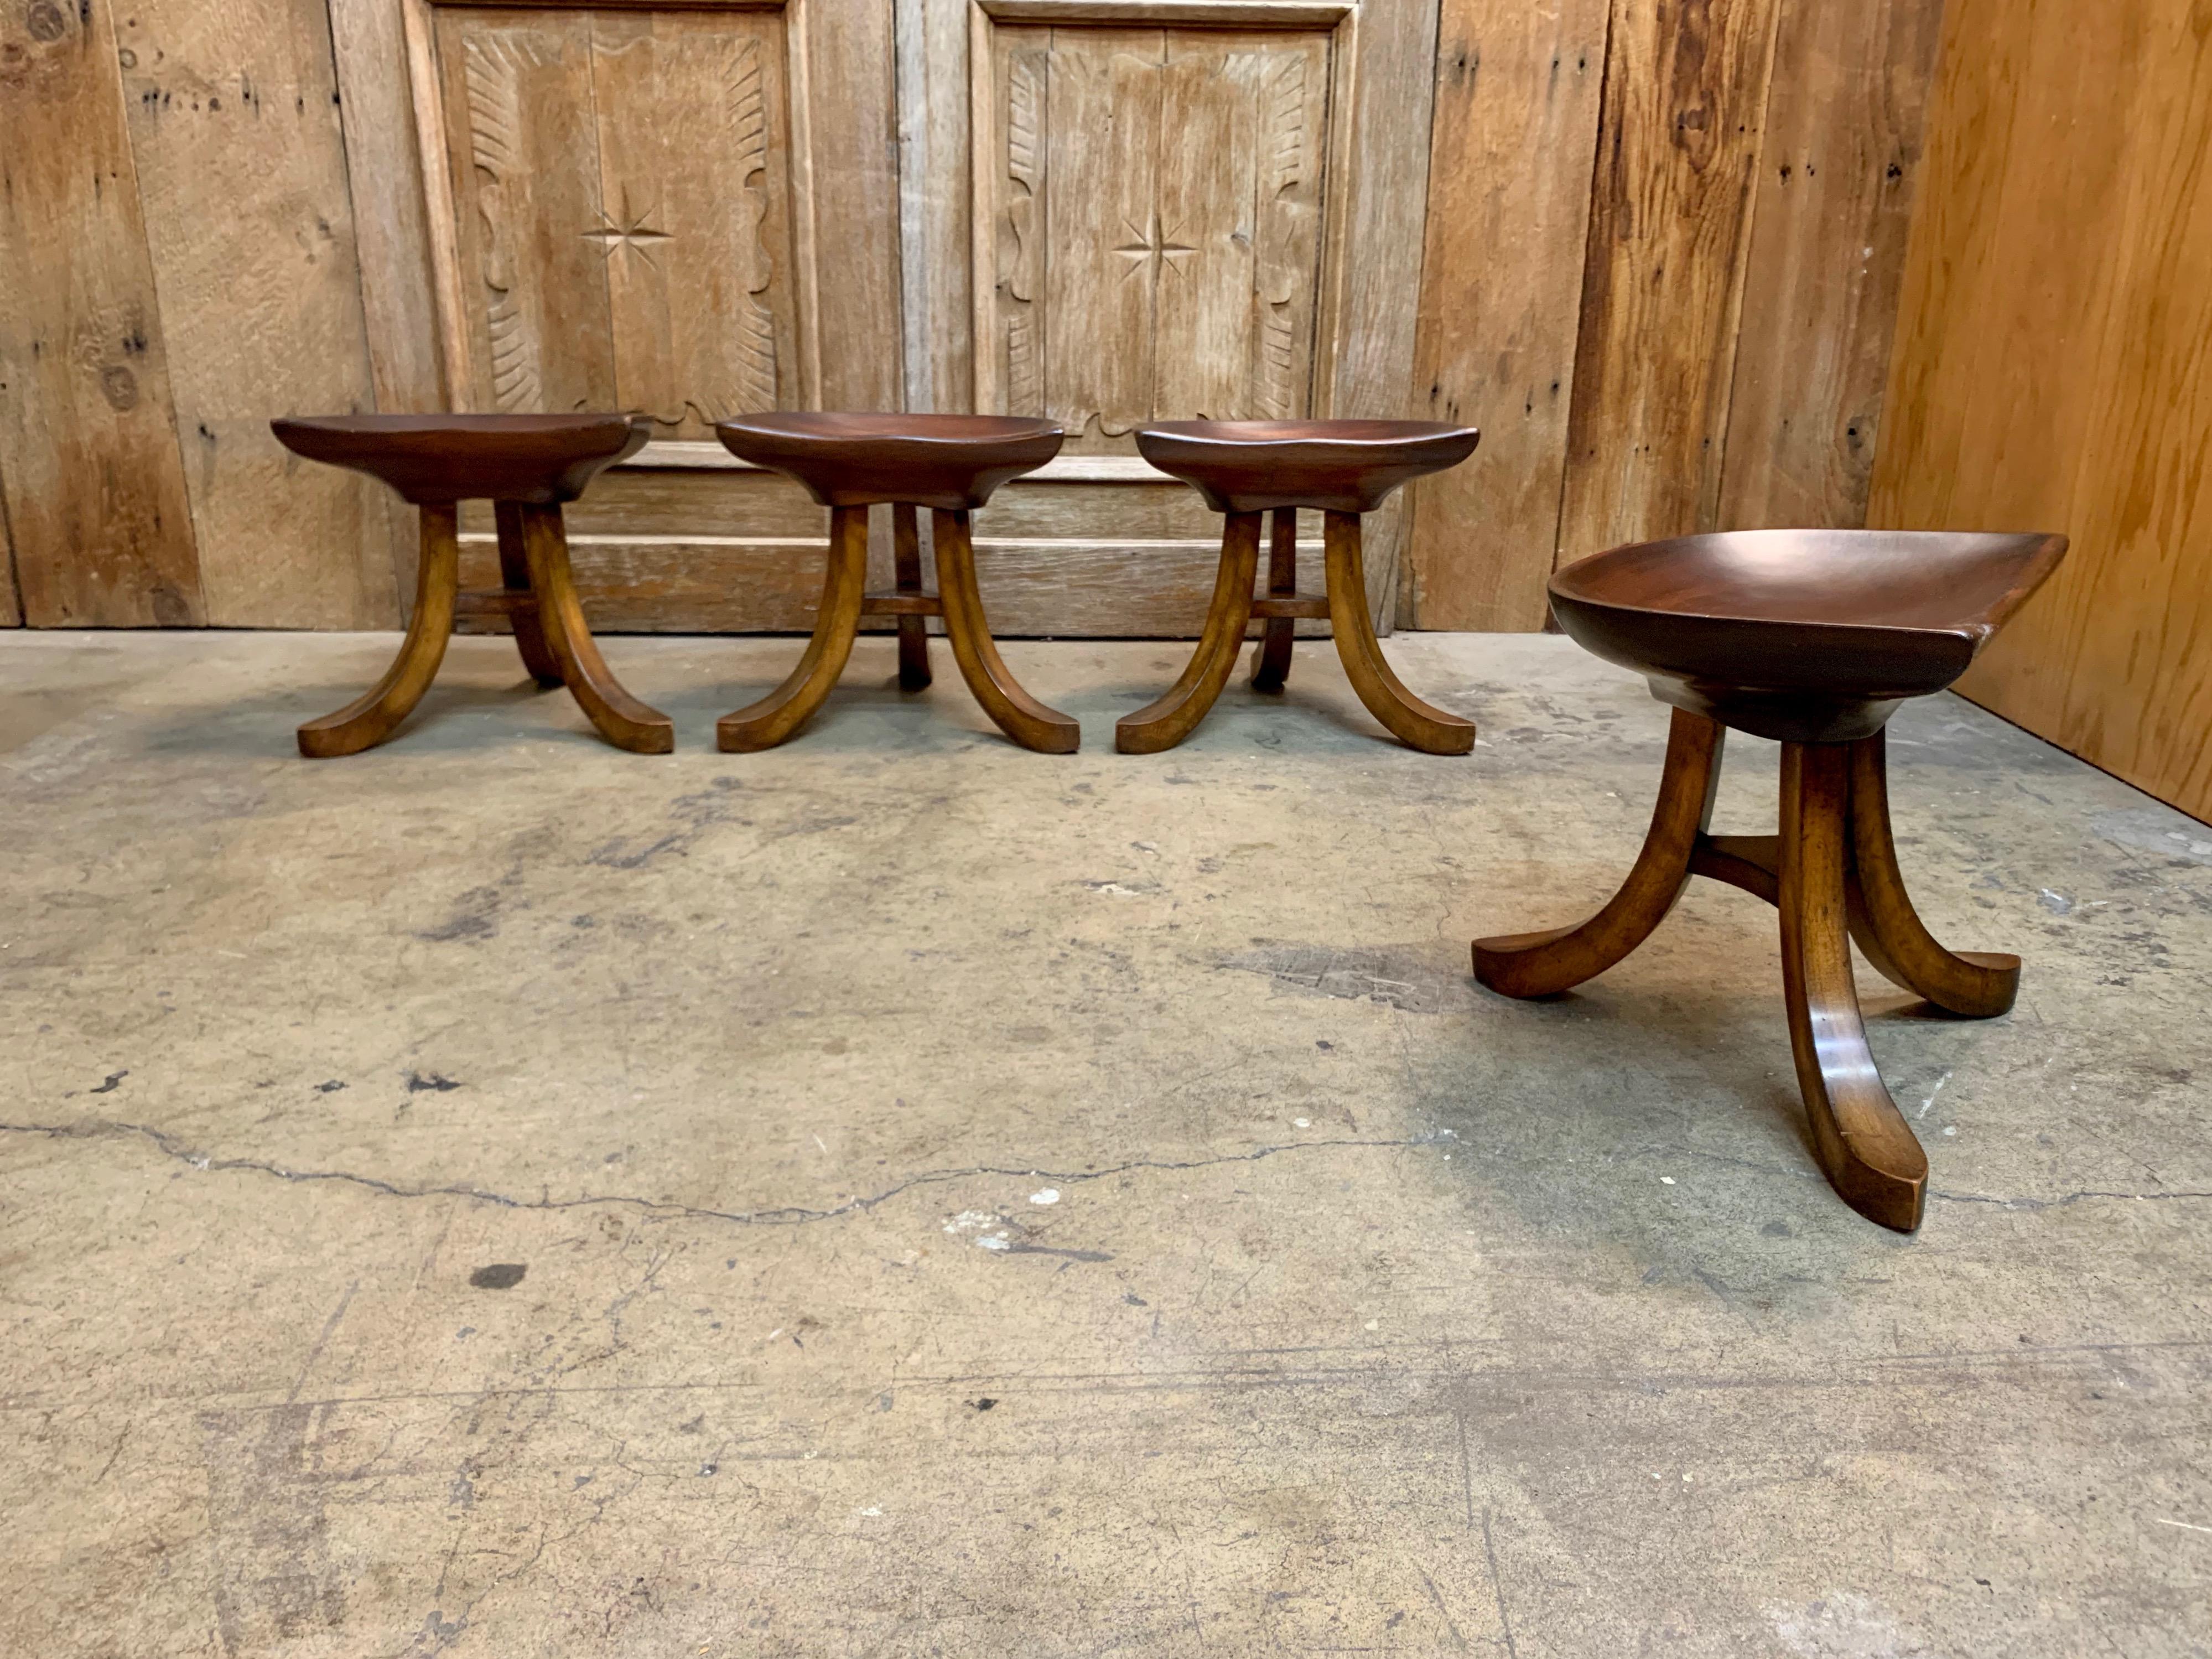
{"points": [[900, 1194]]}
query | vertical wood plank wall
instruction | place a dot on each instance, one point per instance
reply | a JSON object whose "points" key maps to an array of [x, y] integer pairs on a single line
{"points": [[2053, 368], [1659, 271]]}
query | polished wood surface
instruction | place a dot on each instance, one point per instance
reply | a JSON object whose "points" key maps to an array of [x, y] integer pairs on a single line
{"points": [[850, 462], [527, 466], [1244, 469], [1831, 872], [2067, 389], [1806, 636], [953, 463], [442, 458], [1338, 466]]}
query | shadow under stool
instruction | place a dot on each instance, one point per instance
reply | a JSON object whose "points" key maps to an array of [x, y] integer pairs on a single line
{"points": [[526, 465], [1812, 638], [1341, 468], [949, 463]]}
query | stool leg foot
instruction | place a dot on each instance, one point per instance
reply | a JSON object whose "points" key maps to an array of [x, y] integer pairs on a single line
{"points": [[1545, 964], [1167, 720], [369, 720], [622, 719], [1018, 714], [1271, 657], [514, 572], [1888, 929], [767, 723], [913, 631], [1417, 724], [1861, 1139]]}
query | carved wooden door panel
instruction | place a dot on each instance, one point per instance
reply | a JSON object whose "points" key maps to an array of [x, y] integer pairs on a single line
{"points": [[1176, 209]]}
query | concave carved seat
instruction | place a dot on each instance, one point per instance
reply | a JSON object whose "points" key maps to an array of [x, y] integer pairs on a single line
{"points": [[526, 465], [1812, 638], [1341, 468], [1809, 635], [950, 464]]}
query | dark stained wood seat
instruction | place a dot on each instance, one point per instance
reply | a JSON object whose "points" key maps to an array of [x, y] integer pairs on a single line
{"points": [[1812, 638], [1341, 468], [1330, 466], [949, 464], [442, 458], [1803, 635], [526, 465]]}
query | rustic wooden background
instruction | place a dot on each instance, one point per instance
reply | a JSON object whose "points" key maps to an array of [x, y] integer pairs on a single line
{"points": [[2054, 367], [1660, 271]]}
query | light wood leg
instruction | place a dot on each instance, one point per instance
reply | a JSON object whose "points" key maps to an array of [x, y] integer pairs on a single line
{"points": [[1545, 964], [913, 631], [622, 719], [1417, 724], [1167, 720], [1888, 929], [1018, 714], [1271, 657], [514, 572], [1861, 1139], [767, 723], [369, 720]]}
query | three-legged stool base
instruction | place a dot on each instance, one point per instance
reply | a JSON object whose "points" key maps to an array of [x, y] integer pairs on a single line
{"points": [[1831, 871]]}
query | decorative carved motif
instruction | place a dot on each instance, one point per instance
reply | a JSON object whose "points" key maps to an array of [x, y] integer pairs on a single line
{"points": [[749, 140], [493, 71], [1025, 88]]}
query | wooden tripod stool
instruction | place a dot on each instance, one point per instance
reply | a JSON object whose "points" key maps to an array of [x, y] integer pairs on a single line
{"points": [[1811, 637], [949, 463], [526, 465], [1340, 469]]}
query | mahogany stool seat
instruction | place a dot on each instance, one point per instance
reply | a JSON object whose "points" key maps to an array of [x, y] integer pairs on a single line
{"points": [[526, 465], [949, 464], [1811, 637], [1341, 468]]}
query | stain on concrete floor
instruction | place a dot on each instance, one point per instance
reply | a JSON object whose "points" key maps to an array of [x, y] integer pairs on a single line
{"points": [[497, 1195]]}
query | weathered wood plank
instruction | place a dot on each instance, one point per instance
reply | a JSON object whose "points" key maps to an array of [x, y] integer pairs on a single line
{"points": [[1510, 154], [96, 487], [850, 192], [11, 607], [234, 122], [1831, 217], [1678, 139], [1376, 268]]}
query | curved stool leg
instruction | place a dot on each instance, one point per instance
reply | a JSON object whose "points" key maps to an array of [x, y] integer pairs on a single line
{"points": [[1861, 1139], [1419, 724], [369, 720], [1545, 964], [767, 723], [1167, 720], [622, 719], [1888, 929], [1271, 657], [913, 631], [514, 572], [1018, 714]]}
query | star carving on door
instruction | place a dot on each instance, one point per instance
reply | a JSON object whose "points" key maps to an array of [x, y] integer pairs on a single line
{"points": [[628, 231], [1151, 248]]}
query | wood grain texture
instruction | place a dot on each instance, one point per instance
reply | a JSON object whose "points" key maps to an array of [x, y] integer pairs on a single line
{"points": [[1830, 217], [11, 607], [1515, 123], [234, 119], [2067, 391], [97, 505], [849, 197], [1678, 139]]}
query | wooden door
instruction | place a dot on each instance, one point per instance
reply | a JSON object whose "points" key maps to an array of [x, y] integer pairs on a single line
{"points": [[1107, 211]]}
